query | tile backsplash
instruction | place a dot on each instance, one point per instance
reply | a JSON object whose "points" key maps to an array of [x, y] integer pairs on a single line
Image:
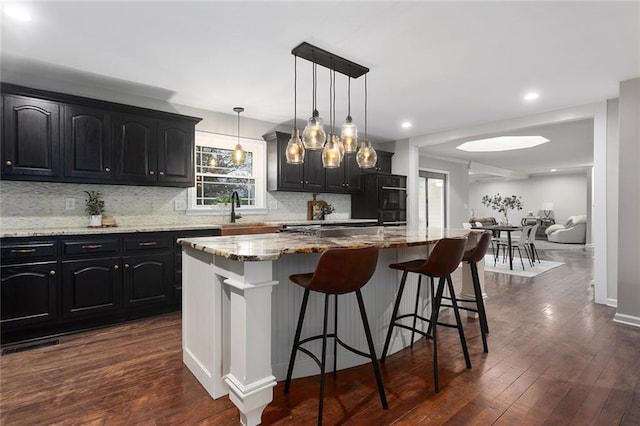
{"points": [[42, 204]]}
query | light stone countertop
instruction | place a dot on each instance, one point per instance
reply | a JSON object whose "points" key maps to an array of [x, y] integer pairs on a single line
{"points": [[261, 247], [155, 227]]}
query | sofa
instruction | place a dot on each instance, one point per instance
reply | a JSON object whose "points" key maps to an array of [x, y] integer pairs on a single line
{"points": [[485, 221], [574, 231]]}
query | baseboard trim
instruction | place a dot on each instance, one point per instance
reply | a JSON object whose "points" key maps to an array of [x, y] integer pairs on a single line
{"points": [[627, 320], [612, 302]]}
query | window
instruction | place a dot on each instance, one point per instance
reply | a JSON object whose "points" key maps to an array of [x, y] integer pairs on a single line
{"points": [[217, 177]]}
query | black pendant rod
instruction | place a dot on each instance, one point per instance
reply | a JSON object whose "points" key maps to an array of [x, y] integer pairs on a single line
{"points": [[328, 60]]}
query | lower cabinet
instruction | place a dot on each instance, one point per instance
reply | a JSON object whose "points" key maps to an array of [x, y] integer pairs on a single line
{"points": [[91, 287], [69, 283]]}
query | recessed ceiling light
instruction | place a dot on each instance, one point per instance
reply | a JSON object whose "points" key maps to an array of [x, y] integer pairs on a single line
{"points": [[553, 170], [531, 96], [406, 125], [17, 12], [502, 143]]}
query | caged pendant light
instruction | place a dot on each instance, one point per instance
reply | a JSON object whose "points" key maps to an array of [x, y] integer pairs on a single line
{"points": [[366, 156], [295, 147], [239, 155], [313, 135]]}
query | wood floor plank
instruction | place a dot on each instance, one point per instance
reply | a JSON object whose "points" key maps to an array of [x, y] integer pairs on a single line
{"points": [[555, 358]]}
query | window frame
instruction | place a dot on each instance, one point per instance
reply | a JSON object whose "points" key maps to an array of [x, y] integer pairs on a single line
{"points": [[256, 146]]}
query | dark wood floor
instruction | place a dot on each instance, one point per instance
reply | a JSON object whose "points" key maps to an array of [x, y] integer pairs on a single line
{"points": [[555, 358]]}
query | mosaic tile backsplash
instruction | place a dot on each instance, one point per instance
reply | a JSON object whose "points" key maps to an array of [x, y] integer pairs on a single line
{"points": [[42, 204]]}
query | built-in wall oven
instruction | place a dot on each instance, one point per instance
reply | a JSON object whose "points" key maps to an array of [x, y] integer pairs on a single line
{"points": [[383, 197]]}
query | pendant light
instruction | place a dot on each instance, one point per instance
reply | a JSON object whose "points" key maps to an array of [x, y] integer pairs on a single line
{"points": [[366, 156], [333, 150], [239, 155], [295, 147], [314, 135], [349, 134]]}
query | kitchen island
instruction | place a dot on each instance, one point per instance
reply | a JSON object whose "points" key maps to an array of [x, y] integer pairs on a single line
{"points": [[240, 311]]}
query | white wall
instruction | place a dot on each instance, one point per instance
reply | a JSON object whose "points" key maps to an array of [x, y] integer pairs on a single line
{"points": [[568, 193], [457, 188]]}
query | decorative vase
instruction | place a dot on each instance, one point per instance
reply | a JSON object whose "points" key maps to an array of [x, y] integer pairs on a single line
{"points": [[95, 220], [506, 219]]}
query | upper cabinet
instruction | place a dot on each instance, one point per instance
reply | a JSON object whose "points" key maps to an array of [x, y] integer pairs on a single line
{"points": [[62, 138], [30, 138], [309, 176]]}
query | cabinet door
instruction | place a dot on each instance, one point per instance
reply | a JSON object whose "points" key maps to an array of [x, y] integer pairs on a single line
{"points": [[175, 152], [314, 172], [290, 176], [28, 294], [136, 145], [345, 178], [91, 287], [88, 147], [148, 280], [334, 179], [31, 137]]}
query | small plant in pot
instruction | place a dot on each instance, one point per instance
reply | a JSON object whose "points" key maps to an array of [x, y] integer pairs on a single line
{"points": [[94, 207]]}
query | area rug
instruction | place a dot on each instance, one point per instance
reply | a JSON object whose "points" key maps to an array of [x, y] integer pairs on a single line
{"points": [[503, 268]]}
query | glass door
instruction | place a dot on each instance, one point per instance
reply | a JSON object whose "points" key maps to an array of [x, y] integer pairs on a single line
{"points": [[434, 190]]}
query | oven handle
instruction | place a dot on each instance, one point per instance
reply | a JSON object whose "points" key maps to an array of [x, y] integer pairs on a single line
{"points": [[394, 188], [399, 222]]}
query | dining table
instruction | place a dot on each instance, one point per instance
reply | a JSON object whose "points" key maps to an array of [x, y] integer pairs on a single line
{"points": [[497, 229]]}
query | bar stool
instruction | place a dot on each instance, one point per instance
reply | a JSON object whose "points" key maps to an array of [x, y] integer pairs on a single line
{"points": [[339, 271], [442, 261], [472, 257]]}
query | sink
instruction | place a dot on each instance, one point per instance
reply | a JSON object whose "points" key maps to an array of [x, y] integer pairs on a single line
{"points": [[247, 228]]}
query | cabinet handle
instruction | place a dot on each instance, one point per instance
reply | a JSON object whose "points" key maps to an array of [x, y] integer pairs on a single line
{"points": [[151, 172], [8, 163], [161, 173], [107, 169], [116, 267], [147, 244], [92, 246], [126, 265], [23, 251], [301, 181], [52, 273]]}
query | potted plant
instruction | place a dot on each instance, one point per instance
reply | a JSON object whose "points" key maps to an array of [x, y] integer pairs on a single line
{"points": [[326, 209], [503, 204], [94, 206]]}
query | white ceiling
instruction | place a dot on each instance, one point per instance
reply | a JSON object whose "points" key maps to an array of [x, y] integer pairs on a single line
{"points": [[440, 65]]}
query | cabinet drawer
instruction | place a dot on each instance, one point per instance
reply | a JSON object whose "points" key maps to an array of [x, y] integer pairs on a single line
{"points": [[148, 243], [30, 250], [92, 246]]}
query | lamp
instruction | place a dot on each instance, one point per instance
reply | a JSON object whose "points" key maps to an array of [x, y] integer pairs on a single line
{"points": [[547, 208], [366, 156], [239, 155], [313, 135], [295, 147], [349, 134], [333, 151]]}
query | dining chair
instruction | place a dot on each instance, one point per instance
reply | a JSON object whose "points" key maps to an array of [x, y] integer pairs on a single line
{"points": [[521, 243], [531, 242]]}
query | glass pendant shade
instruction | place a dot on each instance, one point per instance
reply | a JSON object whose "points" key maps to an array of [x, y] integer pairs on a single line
{"points": [[366, 156], [313, 135], [331, 153], [295, 149], [349, 135], [239, 155]]}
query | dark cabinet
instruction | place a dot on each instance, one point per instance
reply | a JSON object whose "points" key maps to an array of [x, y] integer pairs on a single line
{"points": [[148, 279], [309, 176], [31, 138], [53, 137], [136, 148], [383, 165], [88, 148], [383, 197], [28, 294], [91, 287]]}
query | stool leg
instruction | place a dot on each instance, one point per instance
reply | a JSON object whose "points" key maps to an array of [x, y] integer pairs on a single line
{"points": [[296, 340], [482, 316], [435, 308], [454, 303], [432, 299], [335, 333], [372, 351], [415, 310], [394, 315], [323, 360]]}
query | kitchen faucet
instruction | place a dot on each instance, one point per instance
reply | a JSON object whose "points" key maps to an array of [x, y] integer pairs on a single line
{"points": [[235, 216]]}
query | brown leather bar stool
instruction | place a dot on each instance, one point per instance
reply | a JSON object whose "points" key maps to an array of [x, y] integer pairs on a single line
{"points": [[444, 258], [472, 257], [339, 271]]}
